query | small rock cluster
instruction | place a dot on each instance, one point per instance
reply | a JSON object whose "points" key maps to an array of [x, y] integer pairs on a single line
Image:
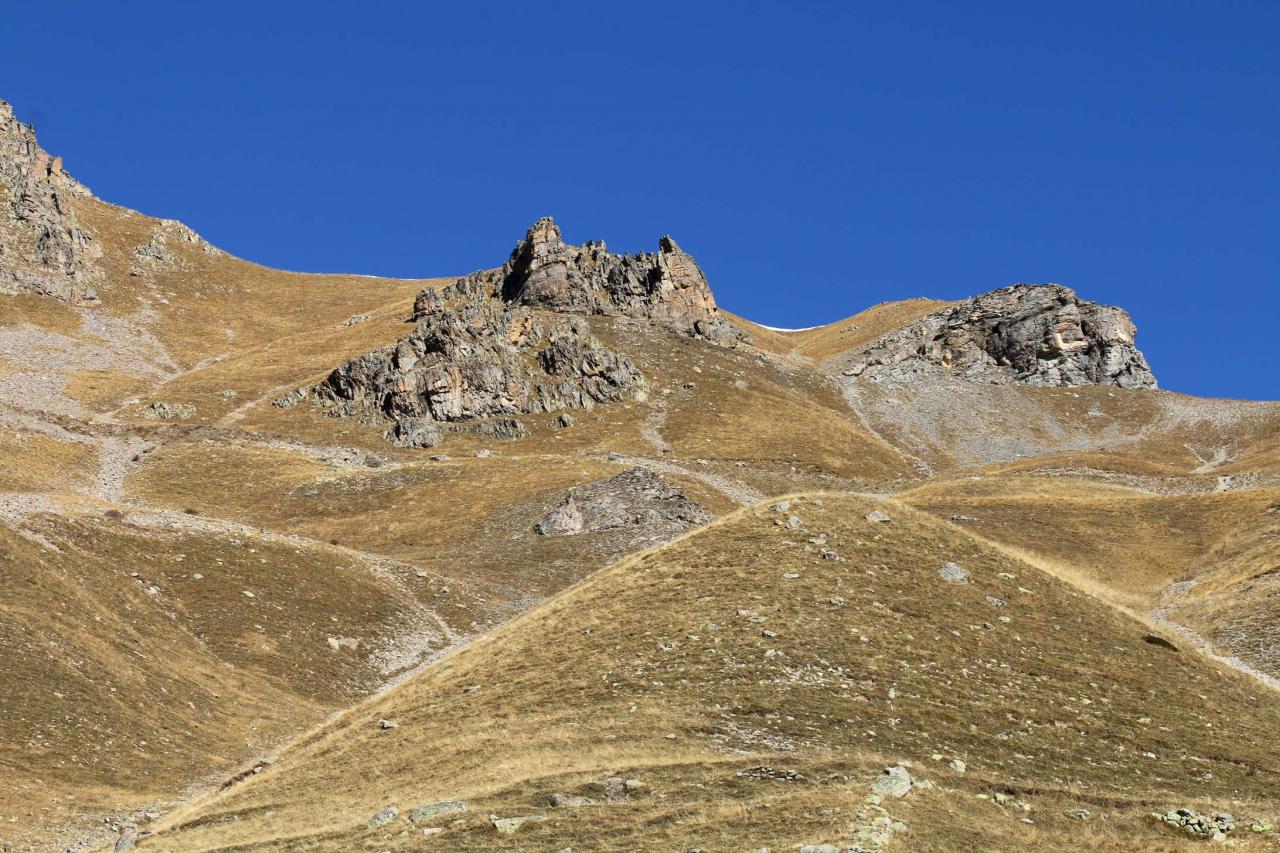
{"points": [[635, 499], [764, 771], [1214, 826]]}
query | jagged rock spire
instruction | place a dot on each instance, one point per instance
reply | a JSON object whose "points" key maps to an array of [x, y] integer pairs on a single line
{"points": [[667, 287]]}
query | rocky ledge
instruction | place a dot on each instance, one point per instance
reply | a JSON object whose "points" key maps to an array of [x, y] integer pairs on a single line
{"points": [[497, 343], [1028, 334]]}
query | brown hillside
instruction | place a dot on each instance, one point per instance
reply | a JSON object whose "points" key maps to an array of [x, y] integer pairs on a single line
{"points": [[742, 646]]}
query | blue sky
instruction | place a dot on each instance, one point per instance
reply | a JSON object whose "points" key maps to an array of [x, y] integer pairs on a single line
{"points": [[816, 158]]}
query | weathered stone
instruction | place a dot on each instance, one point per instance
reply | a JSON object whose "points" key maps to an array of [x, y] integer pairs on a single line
{"points": [[564, 520], [1029, 334], [876, 516], [431, 811], [383, 817], [615, 789], [894, 782], [509, 825], [570, 801], [951, 573]]}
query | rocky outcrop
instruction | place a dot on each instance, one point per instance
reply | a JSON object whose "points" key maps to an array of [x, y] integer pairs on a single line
{"points": [[1029, 334], [43, 247], [636, 499], [489, 346], [666, 287], [476, 364]]}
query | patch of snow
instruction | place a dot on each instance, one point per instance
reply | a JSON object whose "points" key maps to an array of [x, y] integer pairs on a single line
{"points": [[779, 329]]}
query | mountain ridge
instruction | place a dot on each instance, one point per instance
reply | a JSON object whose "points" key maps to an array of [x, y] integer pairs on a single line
{"points": [[186, 523]]}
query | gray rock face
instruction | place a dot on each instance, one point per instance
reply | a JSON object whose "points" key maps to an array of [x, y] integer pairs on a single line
{"points": [[43, 247], [667, 287], [475, 364], [486, 349], [951, 573], [1028, 334], [636, 499]]}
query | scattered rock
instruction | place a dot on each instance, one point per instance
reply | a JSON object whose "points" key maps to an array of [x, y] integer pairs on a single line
{"points": [[431, 811], [569, 801], [615, 789], [951, 573], [764, 771], [1201, 826], [169, 411], [876, 516], [388, 724], [509, 825], [383, 817], [565, 420], [894, 782]]}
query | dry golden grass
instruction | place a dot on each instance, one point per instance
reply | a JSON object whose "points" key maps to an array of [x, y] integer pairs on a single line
{"points": [[825, 342], [869, 659], [34, 462]]}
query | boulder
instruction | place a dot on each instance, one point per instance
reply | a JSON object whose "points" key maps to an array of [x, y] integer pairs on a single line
{"points": [[894, 782]]}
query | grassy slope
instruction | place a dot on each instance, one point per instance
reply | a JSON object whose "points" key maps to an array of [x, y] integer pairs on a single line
{"points": [[872, 658]]}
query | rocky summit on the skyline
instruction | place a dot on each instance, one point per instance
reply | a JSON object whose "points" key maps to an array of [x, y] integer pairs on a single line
{"points": [[1031, 334], [939, 576], [43, 246]]}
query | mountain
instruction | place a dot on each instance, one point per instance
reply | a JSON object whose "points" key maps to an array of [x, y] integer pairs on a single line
{"points": [[248, 514]]}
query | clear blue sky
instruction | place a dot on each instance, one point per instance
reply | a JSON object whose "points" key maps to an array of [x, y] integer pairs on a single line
{"points": [[816, 158]]}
